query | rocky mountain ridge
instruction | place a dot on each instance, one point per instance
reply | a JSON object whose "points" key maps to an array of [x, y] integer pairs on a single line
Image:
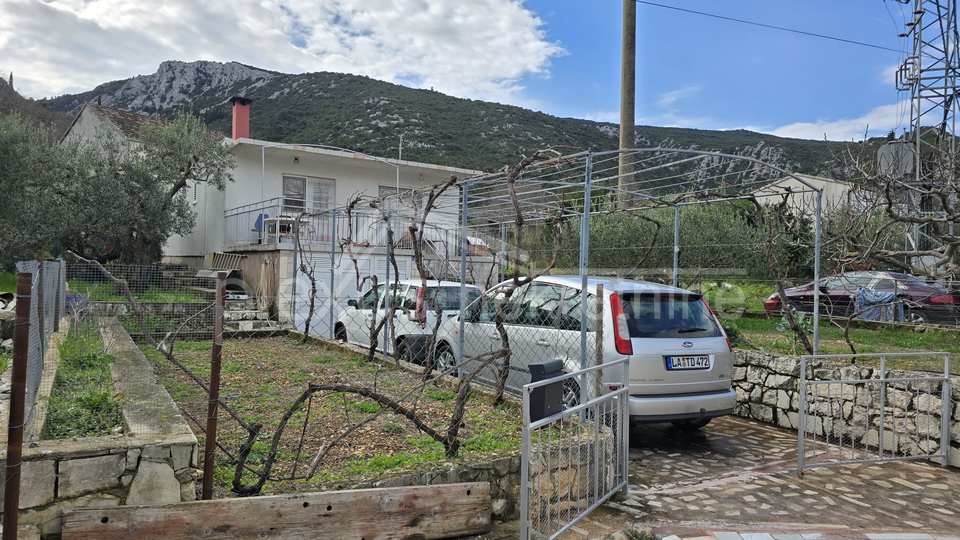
{"points": [[364, 114]]}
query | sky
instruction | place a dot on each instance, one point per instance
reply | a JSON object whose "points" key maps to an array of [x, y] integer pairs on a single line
{"points": [[561, 57]]}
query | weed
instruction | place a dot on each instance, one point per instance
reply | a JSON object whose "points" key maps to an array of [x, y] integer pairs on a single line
{"points": [[392, 428], [488, 442], [82, 402], [365, 407], [440, 395]]}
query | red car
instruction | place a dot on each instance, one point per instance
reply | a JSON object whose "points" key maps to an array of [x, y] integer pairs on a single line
{"points": [[921, 302]]}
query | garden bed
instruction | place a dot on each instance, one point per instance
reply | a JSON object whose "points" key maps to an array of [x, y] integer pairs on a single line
{"points": [[263, 377]]}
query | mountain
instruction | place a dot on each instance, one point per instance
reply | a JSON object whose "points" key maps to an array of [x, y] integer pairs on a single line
{"points": [[364, 114], [34, 112]]}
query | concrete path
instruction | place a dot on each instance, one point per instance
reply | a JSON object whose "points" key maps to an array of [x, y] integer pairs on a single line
{"points": [[736, 479]]}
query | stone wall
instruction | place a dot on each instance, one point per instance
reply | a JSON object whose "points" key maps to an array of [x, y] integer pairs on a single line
{"points": [[768, 390], [153, 462]]}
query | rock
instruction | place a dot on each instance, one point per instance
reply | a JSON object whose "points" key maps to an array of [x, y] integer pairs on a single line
{"points": [[78, 476], [155, 483]]}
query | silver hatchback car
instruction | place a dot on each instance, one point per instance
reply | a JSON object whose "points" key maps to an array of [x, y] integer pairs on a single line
{"points": [[681, 362]]}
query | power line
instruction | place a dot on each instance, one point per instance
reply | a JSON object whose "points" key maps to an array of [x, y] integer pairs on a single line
{"points": [[769, 26]]}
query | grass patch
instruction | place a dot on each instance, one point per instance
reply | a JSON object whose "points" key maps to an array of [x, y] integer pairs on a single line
{"points": [[762, 334], [83, 402], [8, 282], [440, 395], [365, 407], [107, 292], [275, 372]]}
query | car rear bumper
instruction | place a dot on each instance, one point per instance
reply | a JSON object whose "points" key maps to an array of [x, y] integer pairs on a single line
{"points": [[941, 315], [666, 408]]}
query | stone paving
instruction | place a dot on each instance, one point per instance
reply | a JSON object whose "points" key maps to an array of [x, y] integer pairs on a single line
{"points": [[736, 479]]}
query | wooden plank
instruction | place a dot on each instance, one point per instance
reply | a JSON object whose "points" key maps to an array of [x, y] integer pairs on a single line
{"points": [[411, 513]]}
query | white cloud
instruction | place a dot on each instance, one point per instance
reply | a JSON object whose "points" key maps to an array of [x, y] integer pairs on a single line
{"points": [[668, 100], [603, 116], [480, 49], [879, 121]]}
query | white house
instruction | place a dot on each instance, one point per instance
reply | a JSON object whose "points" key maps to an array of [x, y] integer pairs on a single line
{"points": [[285, 195], [836, 193]]}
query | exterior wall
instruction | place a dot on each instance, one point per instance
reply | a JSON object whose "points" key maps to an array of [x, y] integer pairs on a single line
{"points": [[835, 193], [208, 233], [353, 174], [155, 462], [256, 182], [768, 390], [88, 125]]}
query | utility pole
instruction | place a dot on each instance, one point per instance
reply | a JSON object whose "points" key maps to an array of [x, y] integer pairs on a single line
{"points": [[628, 85]]}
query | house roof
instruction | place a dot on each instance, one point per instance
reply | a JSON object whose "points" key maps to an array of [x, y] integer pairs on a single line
{"points": [[127, 122], [342, 153]]}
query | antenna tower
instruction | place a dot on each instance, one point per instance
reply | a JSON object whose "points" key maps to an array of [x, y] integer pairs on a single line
{"points": [[930, 75]]}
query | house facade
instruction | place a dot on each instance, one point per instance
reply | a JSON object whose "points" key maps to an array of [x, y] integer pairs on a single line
{"points": [[281, 226]]}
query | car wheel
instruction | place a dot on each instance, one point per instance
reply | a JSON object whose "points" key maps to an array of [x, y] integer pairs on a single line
{"points": [[444, 360], [914, 316], [340, 333], [571, 393], [691, 424], [404, 353]]}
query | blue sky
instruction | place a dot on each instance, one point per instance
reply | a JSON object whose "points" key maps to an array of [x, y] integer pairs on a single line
{"points": [[561, 57]]}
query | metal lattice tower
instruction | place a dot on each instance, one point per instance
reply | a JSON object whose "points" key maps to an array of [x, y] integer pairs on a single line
{"points": [[930, 75]]}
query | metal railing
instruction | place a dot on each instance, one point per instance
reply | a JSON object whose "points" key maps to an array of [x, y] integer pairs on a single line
{"points": [[575, 460], [860, 414]]}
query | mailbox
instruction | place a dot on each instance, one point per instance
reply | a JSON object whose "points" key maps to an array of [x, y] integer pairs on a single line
{"points": [[546, 400]]}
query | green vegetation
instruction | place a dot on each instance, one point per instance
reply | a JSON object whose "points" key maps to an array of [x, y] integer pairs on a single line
{"points": [[107, 292], [763, 334], [8, 282], [134, 200], [462, 132], [83, 402], [440, 395]]}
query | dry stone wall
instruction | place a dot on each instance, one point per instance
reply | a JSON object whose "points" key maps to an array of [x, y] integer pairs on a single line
{"points": [[153, 462], [768, 390]]}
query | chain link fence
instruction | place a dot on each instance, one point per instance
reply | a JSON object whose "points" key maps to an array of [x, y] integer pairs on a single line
{"points": [[46, 310]]}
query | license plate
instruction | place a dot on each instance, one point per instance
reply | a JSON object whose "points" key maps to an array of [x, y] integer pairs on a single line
{"points": [[688, 362]]}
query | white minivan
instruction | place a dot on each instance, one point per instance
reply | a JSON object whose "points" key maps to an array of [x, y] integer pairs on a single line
{"points": [[681, 362], [415, 314]]}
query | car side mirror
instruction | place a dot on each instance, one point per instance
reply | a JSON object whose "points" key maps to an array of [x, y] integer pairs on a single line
{"points": [[351, 303]]}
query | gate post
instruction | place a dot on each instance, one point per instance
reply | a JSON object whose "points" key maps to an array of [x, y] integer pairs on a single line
{"points": [[802, 417]]}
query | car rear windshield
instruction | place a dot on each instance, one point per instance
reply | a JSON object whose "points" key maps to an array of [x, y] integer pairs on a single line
{"points": [[448, 298], [668, 315]]}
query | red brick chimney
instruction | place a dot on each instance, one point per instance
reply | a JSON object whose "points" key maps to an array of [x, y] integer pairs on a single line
{"points": [[241, 117]]}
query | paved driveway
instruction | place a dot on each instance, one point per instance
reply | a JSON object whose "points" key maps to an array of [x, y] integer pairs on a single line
{"points": [[736, 478], [738, 471]]}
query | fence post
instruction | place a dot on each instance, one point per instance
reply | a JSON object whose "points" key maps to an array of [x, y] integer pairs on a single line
{"points": [[210, 444], [21, 345]]}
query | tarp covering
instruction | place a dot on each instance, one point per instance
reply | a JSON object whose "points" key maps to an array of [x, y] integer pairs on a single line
{"points": [[878, 306]]}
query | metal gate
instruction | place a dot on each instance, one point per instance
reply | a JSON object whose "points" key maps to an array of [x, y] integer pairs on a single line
{"points": [[576, 459], [865, 412]]}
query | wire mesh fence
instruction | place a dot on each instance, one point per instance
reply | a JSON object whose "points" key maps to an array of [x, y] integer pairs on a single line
{"points": [[46, 310]]}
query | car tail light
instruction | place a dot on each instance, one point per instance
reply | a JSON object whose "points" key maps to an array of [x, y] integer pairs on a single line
{"points": [[621, 333], [943, 299], [421, 310], [722, 331]]}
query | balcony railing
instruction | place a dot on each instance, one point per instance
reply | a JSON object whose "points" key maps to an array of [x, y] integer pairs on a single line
{"points": [[277, 221]]}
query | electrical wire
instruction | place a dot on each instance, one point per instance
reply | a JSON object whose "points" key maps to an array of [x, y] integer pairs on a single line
{"points": [[769, 26]]}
